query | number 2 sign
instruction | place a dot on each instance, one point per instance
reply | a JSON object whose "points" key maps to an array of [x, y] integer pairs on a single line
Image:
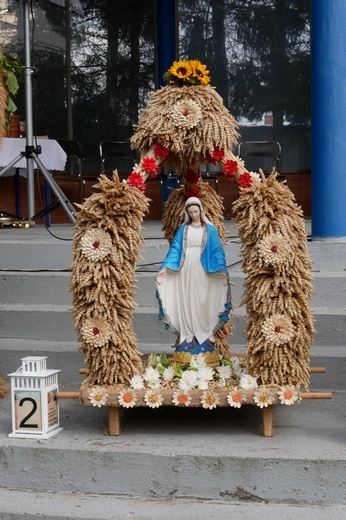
{"points": [[35, 410], [28, 411]]}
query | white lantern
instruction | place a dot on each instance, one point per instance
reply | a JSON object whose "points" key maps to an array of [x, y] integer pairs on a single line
{"points": [[35, 409]]}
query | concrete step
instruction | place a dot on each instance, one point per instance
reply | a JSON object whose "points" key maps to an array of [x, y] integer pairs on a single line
{"points": [[191, 454], [51, 287], [29, 505], [54, 322], [65, 357]]}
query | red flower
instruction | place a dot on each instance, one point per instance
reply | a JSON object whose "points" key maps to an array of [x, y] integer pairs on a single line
{"points": [[96, 244], [96, 331], [217, 155], [149, 165], [192, 193], [245, 180], [191, 177], [135, 180], [230, 168], [160, 151]]}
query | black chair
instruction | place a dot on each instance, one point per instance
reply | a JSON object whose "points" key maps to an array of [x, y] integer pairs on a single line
{"points": [[117, 155], [269, 151], [73, 165], [207, 175]]}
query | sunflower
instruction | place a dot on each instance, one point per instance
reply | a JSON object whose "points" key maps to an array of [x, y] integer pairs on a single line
{"points": [[200, 72], [181, 69]]}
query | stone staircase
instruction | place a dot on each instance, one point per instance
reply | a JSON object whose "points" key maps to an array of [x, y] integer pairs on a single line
{"points": [[168, 462]]}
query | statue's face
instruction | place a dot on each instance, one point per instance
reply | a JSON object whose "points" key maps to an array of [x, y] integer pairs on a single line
{"points": [[194, 213]]}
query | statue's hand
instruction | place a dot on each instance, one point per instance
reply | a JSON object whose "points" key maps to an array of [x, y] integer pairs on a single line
{"points": [[224, 278], [161, 276]]}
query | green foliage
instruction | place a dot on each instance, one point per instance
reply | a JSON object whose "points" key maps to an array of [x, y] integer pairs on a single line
{"points": [[12, 69]]}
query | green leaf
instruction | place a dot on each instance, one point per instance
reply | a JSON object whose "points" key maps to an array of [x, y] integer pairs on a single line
{"points": [[11, 83]]}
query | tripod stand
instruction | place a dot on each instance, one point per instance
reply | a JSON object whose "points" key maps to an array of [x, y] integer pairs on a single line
{"points": [[31, 152]]}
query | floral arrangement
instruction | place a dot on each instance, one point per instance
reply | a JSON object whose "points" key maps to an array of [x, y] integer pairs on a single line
{"points": [[187, 72], [184, 125], [161, 374]]}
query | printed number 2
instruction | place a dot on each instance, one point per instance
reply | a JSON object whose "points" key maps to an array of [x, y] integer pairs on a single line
{"points": [[30, 414]]}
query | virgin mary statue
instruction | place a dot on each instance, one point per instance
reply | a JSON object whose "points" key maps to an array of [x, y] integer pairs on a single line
{"points": [[193, 286]]}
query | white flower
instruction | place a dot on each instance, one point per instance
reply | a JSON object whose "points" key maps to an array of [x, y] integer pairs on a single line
{"points": [[288, 395], [193, 362], [224, 371], [236, 366], [151, 374], [235, 398], [153, 398], [248, 382], [210, 400], [154, 383], [201, 360], [189, 379], [222, 383], [255, 176], [127, 398], [168, 374], [205, 373], [181, 398], [98, 396], [96, 244], [262, 397], [137, 382], [202, 384]]}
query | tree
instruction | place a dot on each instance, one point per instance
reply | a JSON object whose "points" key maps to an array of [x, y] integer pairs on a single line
{"points": [[272, 72]]}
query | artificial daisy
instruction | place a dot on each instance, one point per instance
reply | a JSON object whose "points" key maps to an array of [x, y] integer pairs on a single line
{"points": [[137, 382], [168, 374], [202, 384], [153, 398], [205, 373], [98, 396], [262, 397], [151, 375], [127, 398], [235, 398], [237, 367], [96, 244], [288, 395], [248, 382], [181, 398], [189, 379], [210, 399], [224, 371], [278, 329]]}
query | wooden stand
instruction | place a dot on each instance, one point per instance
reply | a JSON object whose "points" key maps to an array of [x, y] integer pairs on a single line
{"points": [[267, 421], [114, 420]]}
